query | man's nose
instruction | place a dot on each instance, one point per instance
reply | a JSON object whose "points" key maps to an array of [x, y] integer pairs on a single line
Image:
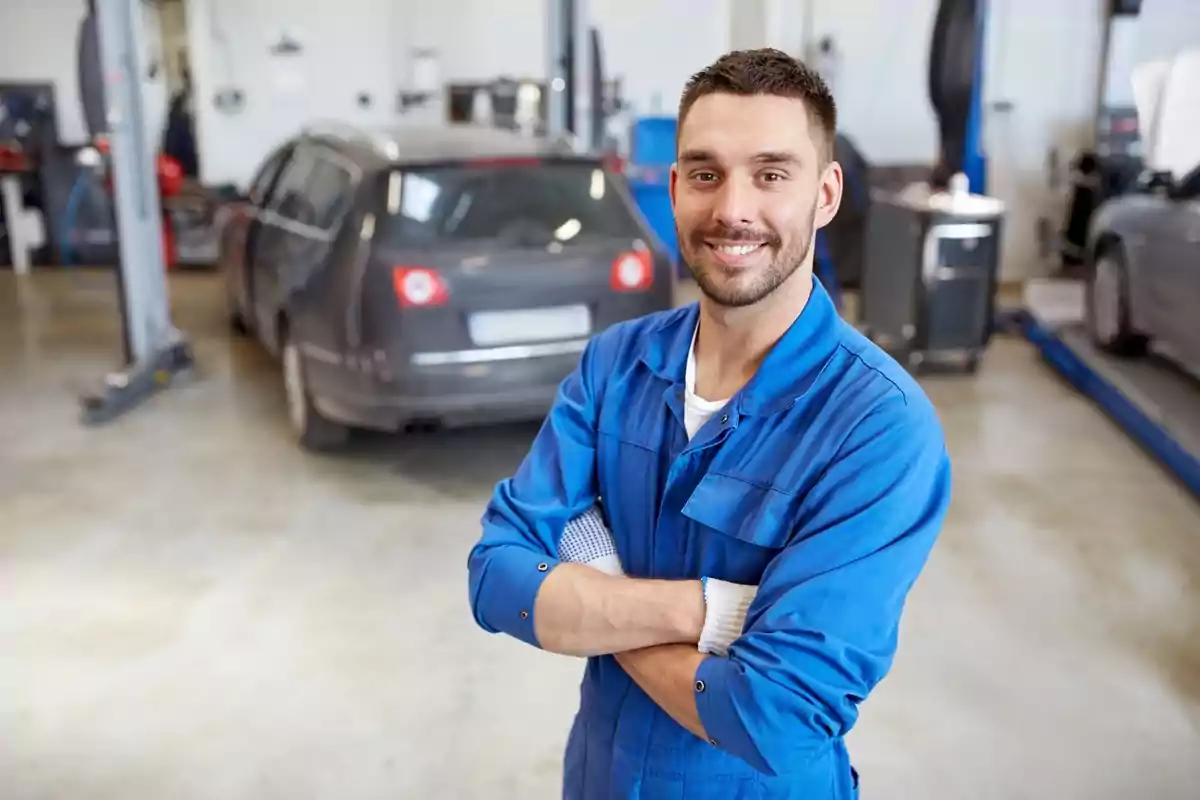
{"points": [[736, 202]]}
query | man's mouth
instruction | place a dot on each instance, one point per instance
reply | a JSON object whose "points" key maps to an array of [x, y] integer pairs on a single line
{"points": [[735, 254]]}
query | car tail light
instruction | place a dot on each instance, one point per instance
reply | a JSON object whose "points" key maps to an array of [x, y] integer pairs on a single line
{"points": [[419, 287], [632, 271]]}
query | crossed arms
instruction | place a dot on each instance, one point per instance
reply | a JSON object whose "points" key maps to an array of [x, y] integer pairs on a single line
{"points": [[823, 626]]}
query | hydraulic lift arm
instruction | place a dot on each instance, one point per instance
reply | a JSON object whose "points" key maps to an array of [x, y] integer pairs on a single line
{"points": [[155, 351]]}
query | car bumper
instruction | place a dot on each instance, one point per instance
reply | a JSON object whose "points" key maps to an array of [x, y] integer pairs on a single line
{"points": [[453, 389]]}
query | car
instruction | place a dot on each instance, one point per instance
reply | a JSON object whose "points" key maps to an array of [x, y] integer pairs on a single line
{"points": [[443, 275], [1144, 271], [1143, 247]]}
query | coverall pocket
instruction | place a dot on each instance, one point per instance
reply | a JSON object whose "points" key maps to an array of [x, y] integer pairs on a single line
{"points": [[750, 512]]}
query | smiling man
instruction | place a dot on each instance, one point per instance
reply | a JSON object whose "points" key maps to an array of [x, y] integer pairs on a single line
{"points": [[729, 502]]}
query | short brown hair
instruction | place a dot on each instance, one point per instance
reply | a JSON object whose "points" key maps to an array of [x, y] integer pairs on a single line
{"points": [[771, 72]]}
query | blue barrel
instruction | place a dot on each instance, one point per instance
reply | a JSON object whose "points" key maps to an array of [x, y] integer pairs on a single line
{"points": [[652, 141], [652, 151]]}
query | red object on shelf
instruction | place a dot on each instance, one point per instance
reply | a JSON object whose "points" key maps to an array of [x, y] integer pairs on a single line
{"points": [[170, 183], [169, 175], [14, 159], [170, 256]]}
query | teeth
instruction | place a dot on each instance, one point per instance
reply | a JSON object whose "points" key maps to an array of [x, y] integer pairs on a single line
{"points": [[738, 249]]}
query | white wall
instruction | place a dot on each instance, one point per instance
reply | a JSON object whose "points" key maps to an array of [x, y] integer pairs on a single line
{"points": [[656, 45], [477, 39], [365, 43], [37, 43], [347, 49]]}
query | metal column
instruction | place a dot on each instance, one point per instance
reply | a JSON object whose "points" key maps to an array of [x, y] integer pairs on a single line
{"points": [[581, 53], [156, 351], [556, 67], [569, 100]]}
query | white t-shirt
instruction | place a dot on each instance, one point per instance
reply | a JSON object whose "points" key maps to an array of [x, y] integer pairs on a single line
{"points": [[696, 410]]}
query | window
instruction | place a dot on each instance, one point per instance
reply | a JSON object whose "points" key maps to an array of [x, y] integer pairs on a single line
{"points": [[288, 200], [329, 190], [266, 176], [528, 204]]}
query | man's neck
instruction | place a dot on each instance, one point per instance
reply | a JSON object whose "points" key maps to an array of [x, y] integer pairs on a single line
{"points": [[731, 343]]}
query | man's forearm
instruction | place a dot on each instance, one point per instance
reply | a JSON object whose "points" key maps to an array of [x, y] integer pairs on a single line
{"points": [[581, 611], [668, 675]]}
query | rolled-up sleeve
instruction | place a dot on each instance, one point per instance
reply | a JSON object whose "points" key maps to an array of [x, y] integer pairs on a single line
{"points": [[527, 513], [823, 628]]}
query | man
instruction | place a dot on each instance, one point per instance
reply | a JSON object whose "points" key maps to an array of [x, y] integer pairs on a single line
{"points": [[771, 485]]}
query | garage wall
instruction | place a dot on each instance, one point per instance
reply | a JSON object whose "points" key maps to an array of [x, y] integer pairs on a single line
{"points": [[37, 43], [656, 45], [347, 51], [365, 43], [354, 46]]}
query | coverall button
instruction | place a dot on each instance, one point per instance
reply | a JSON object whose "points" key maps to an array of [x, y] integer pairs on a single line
{"points": [[699, 686], [542, 567], [713, 742], [724, 418], [524, 615]]}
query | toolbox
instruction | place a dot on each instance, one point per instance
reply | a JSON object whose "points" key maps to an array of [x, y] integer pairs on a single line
{"points": [[930, 275]]}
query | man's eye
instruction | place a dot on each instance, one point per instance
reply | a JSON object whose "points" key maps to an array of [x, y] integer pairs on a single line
{"points": [[704, 176], [770, 177]]}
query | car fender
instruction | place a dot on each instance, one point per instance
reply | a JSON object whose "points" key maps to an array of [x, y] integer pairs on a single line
{"points": [[1125, 222]]}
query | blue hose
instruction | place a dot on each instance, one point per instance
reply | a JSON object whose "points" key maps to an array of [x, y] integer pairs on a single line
{"points": [[70, 213]]}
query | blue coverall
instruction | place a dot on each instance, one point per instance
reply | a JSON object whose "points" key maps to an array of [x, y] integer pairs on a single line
{"points": [[824, 481]]}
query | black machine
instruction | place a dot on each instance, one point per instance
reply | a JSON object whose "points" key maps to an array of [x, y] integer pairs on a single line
{"points": [[932, 251], [76, 210], [504, 94], [844, 235], [1114, 164], [1110, 170]]}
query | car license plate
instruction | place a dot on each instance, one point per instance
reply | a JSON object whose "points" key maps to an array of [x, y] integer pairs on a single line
{"points": [[491, 328]]}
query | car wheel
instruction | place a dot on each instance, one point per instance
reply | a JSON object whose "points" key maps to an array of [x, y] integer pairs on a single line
{"points": [[1108, 314], [311, 429]]}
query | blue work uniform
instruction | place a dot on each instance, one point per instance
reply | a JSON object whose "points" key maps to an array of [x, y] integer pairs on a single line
{"points": [[824, 481]]}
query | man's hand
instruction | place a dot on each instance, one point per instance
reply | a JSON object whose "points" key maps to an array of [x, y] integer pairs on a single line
{"points": [[587, 540], [668, 675]]}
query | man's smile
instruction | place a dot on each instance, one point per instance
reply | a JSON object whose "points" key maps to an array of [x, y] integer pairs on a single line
{"points": [[735, 254]]}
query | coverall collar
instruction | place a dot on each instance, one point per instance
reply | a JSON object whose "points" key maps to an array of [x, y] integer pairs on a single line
{"points": [[786, 374]]}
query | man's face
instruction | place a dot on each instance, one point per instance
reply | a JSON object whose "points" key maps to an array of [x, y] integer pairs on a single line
{"points": [[748, 192]]}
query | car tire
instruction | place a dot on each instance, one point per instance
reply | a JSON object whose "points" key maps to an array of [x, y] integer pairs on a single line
{"points": [[311, 428], [1108, 314]]}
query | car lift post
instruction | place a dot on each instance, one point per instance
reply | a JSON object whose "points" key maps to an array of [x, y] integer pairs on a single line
{"points": [[155, 351], [568, 86]]}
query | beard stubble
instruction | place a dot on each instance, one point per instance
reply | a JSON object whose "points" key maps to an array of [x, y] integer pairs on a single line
{"points": [[783, 264]]}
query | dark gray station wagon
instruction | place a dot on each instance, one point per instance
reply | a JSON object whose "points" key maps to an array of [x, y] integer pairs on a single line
{"points": [[433, 276]]}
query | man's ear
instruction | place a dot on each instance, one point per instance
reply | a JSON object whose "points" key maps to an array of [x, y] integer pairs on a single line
{"points": [[829, 194], [671, 183]]}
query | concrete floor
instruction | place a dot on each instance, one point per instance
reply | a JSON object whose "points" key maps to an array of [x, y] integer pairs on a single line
{"points": [[191, 608]]}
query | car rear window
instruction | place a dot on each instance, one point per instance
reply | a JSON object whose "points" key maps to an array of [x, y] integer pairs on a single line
{"points": [[508, 203]]}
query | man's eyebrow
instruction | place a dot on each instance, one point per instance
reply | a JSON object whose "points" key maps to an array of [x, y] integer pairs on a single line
{"points": [[765, 157], [695, 157], [776, 157]]}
